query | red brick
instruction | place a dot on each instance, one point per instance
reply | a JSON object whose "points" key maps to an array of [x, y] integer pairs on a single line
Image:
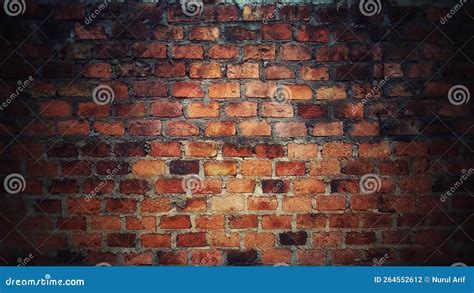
{"points": [[281, 31], [271, 109], [187, 90], [166, 109], [109, 128], [244, 109], [255, 128], [149, 89], [328, 129], [182, 128], [205, 70], [278, 72], [200, 149], [269, 151], [243, 222], [191, 239], [204, 33], [332, 53], [240, 185], [256, 168], [290, 168], [276, 222], [155, 240], [153, 50], [246, 70], [98, 70], [309, 33], [295, 52], [163, 149], [55, 109], [223, 52], [200, 110], [188, 51], [224, 90], [225, 128], [144, 127], [337, 149], [220, 168], [175, 222], [314, 73], [375, 150], [331, 93], [290, 129], [259, 52]]}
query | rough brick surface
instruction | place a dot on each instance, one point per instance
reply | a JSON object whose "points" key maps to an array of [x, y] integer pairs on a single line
{"points": [[243, 135]]}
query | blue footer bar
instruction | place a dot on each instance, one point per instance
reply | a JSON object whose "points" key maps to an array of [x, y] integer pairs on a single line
{"points": [[237, 279]]}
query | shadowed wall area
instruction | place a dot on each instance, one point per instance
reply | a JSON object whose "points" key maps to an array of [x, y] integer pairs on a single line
{"points": [[214, 133]]}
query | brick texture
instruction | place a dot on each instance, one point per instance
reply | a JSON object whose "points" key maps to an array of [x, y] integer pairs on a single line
{"points": [[241, 135]]}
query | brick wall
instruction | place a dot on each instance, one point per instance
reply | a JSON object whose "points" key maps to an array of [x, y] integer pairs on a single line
{"points": [[307, 134]]}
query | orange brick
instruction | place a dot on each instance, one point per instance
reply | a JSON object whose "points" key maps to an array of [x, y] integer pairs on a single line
{"points": [[149, 168], [223, 52], [220, 168], [164, 149], [205, 70], [204, 33], [276, 222], [243, 222], [309, 186], [289, 52], [328, 129], [182, 128], [210, 222], [290, 129], [259, 240], [244, 109], [200, 110], [175, 222], [255, 128], [365, 128], [337, 149], [256, 168], [374, 150], [187, 90], [259, 89], [271, 109], [262, 203], [297, 204], [227, 203], [222, 239], [276, 256], [246, 70], [290, 168], [200, 149], [259, 52], [225, 128], [331, 93], [302, 150], [314, 73], [240, 185], [188, 51], [109, 128], [224, 90]]}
